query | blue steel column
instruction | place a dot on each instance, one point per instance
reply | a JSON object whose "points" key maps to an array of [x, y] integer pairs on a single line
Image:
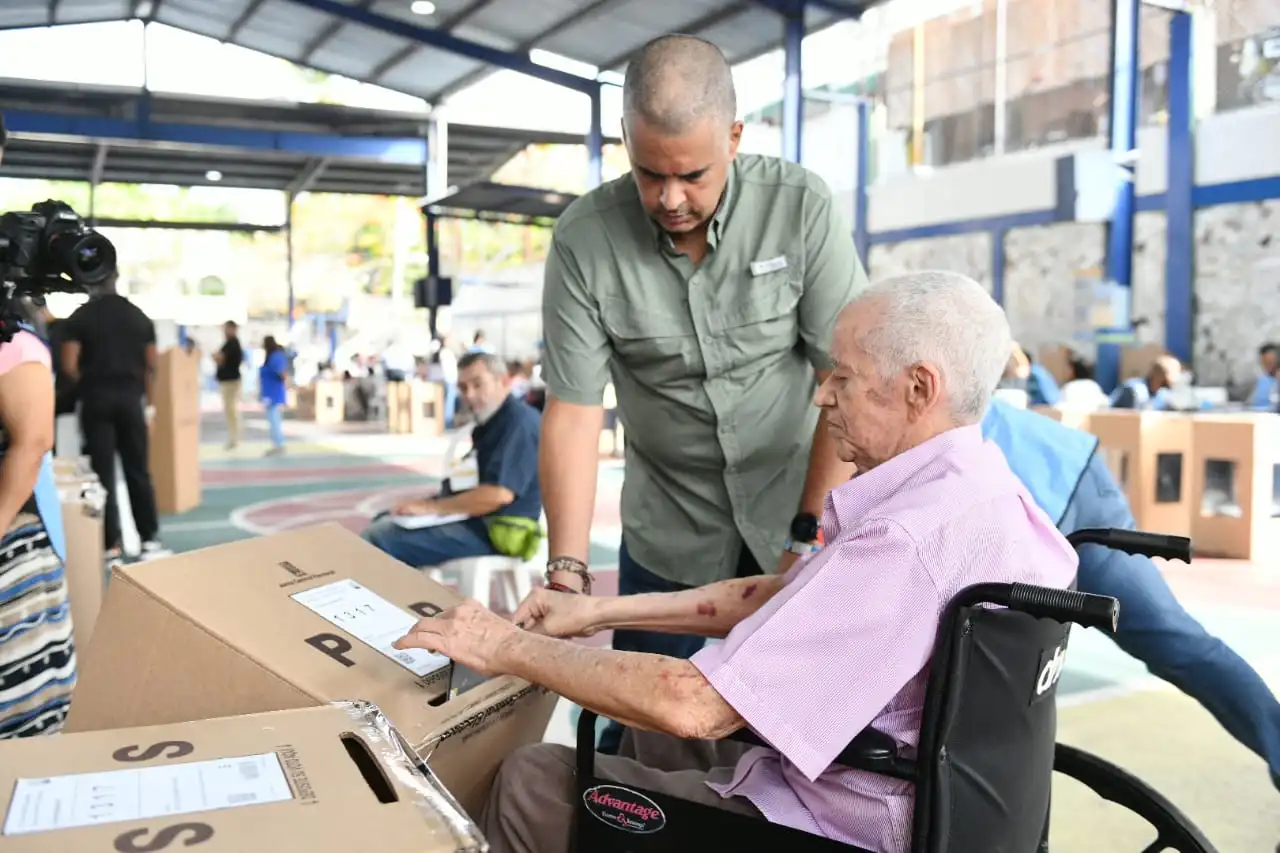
{"points": [[793, 85], [861, 199], [1122, 139], [595, 140], [1180, 252]]}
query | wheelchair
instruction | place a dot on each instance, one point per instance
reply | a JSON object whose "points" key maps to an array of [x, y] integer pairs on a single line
{"points": [[987, 752]]}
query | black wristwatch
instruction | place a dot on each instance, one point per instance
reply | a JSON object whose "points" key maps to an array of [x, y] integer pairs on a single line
{"points": [[804, 527]]}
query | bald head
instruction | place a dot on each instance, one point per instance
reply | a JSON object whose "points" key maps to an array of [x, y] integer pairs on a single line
{"points": [[676, 81]]}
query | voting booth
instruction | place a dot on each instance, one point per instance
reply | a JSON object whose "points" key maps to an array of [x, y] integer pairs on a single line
{"points": [[1150, 454], [323, 401], [415, 407], [83, 500], [175, 432], [1234, 485]]}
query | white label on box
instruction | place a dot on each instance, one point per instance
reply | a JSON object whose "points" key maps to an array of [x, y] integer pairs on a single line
{"points": [[113, 796], [372, 620]]}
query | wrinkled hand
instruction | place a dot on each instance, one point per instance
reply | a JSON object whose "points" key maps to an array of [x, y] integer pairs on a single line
{"points": [[418, 506], [469, 634], [557, 614]]}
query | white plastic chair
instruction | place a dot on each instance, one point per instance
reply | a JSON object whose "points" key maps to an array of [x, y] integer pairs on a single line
{"points": [[475, 574]]}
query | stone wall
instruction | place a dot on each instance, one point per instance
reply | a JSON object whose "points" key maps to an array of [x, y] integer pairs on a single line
{"points": [[1237, 281], [964, 253], [1237, 289], [1042, 265]]}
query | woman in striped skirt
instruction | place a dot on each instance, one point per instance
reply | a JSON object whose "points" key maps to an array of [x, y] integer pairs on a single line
{"points": [[37, 654]]}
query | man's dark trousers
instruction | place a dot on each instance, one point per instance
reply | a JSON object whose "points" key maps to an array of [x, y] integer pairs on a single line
{"points": [[112, 423], [634, 579]]}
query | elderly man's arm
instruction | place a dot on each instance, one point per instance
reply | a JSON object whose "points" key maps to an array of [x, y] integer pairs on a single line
{"points": [[833, 277], [709, 611], [650, 692]]}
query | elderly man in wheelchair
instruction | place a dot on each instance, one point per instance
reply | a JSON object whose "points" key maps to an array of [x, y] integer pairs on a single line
{"points": [[869, 699]]}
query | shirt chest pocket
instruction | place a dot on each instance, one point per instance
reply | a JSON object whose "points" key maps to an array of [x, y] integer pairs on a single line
{"points": [[658, 345], [763, 319]]}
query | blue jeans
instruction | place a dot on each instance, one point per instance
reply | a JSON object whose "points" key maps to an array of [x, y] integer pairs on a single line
{"points": [[1155, 629], [634, 579], [275, 423], [430, 546]]}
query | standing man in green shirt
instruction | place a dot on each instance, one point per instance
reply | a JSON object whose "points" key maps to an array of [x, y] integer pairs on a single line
{"points": [[707, 284]]}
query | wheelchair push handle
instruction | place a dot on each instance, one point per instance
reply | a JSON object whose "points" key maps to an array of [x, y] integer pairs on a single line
{"points": [[1134, 542], [1066, 605]]}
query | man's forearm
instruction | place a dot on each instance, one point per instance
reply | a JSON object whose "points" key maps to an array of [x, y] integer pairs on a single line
{"points": [[709, 611], [568, 459], [643, 691], [482, 500], [826, 470]]}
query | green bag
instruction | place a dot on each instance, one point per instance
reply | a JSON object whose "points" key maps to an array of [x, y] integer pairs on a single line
{"points": [[513, 536]]}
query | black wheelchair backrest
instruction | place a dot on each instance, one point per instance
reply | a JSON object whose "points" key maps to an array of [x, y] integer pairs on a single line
{"points": [[987, 759]]}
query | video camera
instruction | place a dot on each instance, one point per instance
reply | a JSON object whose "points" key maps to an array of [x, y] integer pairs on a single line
{"points": [[48, 249]]}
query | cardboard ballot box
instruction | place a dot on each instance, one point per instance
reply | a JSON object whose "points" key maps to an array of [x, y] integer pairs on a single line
{"points": [[1236, 511], [83, 500], [415, 407], [323, 401], [319, 780], [1150, 453], [290, 621], [174, 451]]}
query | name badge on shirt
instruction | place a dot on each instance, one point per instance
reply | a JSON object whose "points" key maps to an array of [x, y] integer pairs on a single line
{"points": [[759, 268]]}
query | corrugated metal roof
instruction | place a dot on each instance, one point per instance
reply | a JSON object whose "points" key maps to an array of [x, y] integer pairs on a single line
{"points": [[474, 152], [603, 33]]}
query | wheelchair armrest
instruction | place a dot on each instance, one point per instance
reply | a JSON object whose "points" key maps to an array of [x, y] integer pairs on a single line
{"points": [[872, 750]]}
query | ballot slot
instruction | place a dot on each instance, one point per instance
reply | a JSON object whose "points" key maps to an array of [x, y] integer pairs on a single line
{"points": [[371, 770], [1168, 478], [1218, 496], [1275, 491], [115, 796]]}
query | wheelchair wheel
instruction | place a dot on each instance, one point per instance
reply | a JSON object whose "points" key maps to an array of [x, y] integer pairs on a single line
{"points": [[1174, 830]]}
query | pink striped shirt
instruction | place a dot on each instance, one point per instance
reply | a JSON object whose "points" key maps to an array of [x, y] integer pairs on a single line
{"points": [[846, 643]]}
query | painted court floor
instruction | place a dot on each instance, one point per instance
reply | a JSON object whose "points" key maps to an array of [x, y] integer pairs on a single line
{"points": [[1108, 704]]}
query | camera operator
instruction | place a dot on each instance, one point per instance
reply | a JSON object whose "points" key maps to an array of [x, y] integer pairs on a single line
{"points": [[110, 353], [37, 653]]}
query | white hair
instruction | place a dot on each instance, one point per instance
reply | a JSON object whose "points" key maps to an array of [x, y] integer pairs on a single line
{"points": [[945, 319]]}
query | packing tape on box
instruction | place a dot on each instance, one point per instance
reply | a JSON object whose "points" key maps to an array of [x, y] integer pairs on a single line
{"points": [[411, 771]]}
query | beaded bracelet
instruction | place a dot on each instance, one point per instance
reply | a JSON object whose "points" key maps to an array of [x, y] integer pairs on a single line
{"points": [[572, 565]]}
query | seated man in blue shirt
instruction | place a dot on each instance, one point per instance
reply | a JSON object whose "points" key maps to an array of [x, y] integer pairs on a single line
{"points": [[507, 498]]}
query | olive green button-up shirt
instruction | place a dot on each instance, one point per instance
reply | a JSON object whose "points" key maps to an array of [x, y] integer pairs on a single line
{"points": [[713, 363]]}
